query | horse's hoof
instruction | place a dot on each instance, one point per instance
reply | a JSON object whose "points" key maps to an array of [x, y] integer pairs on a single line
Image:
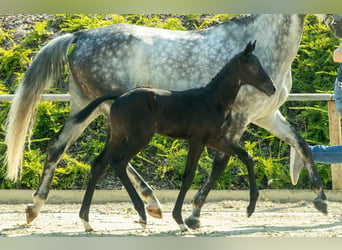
{"points": [[31, 213], [155, 212], [193, 222], [321, 205]]}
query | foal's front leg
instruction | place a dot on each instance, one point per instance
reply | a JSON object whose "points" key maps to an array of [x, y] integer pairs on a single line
{"points": [[227, 147], [253, 188], [218, 166], [195, 151]]}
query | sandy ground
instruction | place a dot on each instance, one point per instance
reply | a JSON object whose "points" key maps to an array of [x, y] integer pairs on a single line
{"points": [[219, 219]]}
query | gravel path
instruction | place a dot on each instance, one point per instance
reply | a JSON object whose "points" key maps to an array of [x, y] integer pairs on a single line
{"points": [[219, 219]]}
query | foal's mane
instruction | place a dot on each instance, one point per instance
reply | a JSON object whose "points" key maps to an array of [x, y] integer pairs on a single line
{"points": [[224, 71]]}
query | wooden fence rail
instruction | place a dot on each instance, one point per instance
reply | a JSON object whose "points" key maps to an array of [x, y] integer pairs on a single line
{"points": [[334, 122]]}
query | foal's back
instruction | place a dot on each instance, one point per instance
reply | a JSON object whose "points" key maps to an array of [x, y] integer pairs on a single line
{"points": [[170, 113]]}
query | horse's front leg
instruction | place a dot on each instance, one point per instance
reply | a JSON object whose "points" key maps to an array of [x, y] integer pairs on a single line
{"points": [[195, 151], [278, 126]]}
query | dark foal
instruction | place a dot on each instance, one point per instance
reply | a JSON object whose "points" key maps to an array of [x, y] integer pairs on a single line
{"points": [[201, 116]]}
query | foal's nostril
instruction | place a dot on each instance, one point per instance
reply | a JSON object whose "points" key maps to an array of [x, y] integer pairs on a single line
{"points": [[271, 90]]}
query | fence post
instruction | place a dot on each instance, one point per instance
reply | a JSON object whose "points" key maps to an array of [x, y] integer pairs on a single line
{"points": [[335, 139]]}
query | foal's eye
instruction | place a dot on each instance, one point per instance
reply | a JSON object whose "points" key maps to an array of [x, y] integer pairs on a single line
{"points": [[254, 68]]}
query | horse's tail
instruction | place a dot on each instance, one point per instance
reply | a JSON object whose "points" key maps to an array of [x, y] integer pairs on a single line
{"points": [[86, 112], [46, 67]]}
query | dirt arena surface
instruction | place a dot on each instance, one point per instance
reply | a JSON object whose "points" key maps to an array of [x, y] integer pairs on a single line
{"points": [[219, 219]]}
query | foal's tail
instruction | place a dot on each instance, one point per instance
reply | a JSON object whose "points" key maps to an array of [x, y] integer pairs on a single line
{"points": [[46, 67], [86, 112]]}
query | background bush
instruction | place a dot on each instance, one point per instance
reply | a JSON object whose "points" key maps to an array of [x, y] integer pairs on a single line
{"points": [[162, 162]]}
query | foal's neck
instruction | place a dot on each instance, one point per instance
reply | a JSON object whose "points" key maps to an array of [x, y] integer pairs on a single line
{"points": [[224, 87]]}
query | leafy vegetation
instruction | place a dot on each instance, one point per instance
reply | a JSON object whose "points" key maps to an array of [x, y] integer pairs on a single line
{"points": [[162, 162]]}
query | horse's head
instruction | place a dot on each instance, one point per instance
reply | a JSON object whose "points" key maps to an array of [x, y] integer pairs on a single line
{"points": [[334, 22], [252, 72]]}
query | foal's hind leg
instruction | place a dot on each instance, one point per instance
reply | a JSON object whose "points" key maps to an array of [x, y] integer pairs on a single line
{"points": [[121, 155], [97, 170], [57, 146]]}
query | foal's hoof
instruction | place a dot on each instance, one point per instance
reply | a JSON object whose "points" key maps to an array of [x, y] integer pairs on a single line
{"points": [[183, 228], [89, 230], [321, 205], [142, 223], [193, 222], [31, 214], [250, 211], [87, 227], [155, 212]]}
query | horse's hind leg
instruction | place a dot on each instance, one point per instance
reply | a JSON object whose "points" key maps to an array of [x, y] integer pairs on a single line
{"points": [[145, 192], [57, 146]]}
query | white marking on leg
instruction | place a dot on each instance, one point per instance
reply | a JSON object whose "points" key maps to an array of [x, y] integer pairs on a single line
{"points": [[87, 226], [182, 228]]}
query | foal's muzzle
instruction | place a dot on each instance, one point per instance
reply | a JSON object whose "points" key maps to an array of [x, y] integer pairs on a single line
{"points": [[268, 88]]}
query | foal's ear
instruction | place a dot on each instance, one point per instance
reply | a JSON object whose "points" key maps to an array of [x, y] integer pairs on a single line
{"points": [[249, 48]]}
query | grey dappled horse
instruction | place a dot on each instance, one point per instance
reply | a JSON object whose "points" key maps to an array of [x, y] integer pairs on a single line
{"points": [[201, 116], [114, 59]]}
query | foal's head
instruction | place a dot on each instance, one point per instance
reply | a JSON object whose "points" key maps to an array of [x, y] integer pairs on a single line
{"points": [[250, 71]]}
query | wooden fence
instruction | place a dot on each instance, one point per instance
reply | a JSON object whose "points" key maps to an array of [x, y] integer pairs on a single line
{"points": [[334, 122]]}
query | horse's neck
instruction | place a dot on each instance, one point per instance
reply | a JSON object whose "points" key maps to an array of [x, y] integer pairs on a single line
{"points": [[278, 37]]}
